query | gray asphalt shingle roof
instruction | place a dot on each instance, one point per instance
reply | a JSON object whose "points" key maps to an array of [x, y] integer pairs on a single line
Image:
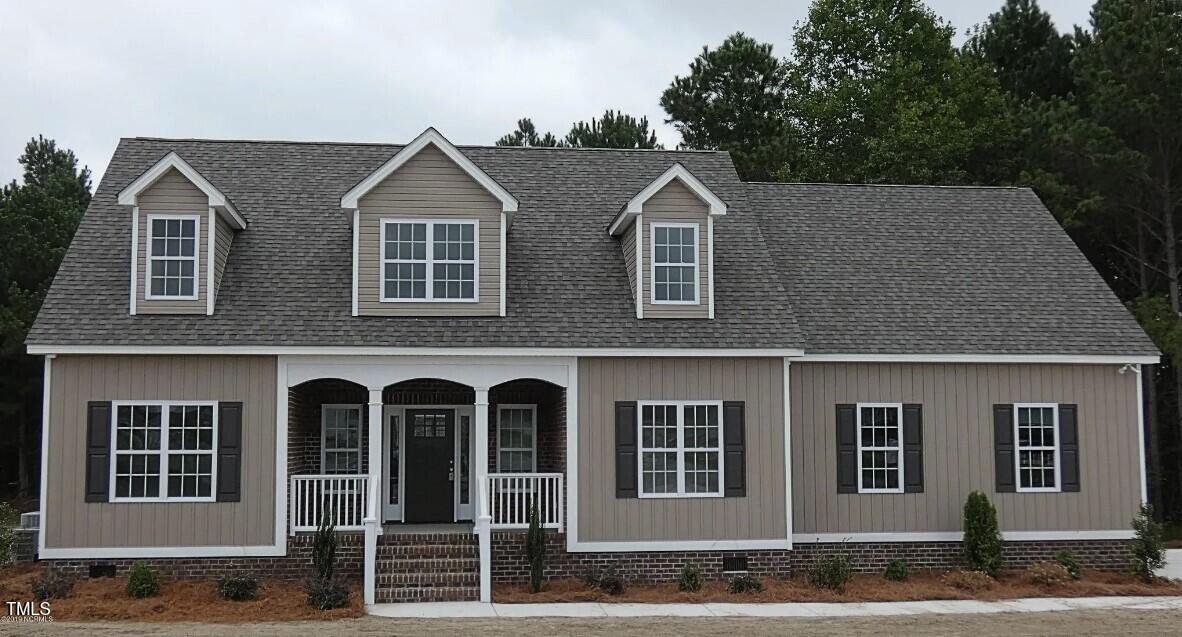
{"points": [[927, 270], [826, 268]]}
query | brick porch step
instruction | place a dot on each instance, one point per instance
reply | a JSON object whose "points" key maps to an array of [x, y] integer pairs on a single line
{"points": [[436, 594], [427, 580], [427, 567]]}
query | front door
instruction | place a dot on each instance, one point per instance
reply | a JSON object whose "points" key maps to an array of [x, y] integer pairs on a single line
{"points": [[429, 457]]}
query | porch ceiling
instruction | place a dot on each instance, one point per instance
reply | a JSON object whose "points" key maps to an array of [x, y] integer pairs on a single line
{"points": [[377, 372]]}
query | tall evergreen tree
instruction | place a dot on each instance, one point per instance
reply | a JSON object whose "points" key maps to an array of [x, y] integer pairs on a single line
{"points": [[37, 220], [735, 99], [1029, 54], [526, 134], [614, 130]]}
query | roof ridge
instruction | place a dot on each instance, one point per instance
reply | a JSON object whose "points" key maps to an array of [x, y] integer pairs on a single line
{"points": [[856, 185], [398, 144]]}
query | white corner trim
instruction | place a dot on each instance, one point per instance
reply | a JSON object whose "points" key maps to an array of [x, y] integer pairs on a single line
{"points": [[281, 415], [640, 270], [788, 449], [956, 536], [211, 238], [46, 388], [710, 265], [504, 260], [217, 199], [572, 455], [429, 136], [677, 171], [160, 551], [356, 243], [678, 545], [1065, 359], [135, 255], [1140, 380]]}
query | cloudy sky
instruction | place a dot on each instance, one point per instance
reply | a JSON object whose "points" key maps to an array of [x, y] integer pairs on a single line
{"points": [[89, 73]]}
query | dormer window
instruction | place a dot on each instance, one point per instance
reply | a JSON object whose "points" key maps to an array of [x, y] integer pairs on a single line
{"points": [[172, 257], [444, 272], [675, 263]]}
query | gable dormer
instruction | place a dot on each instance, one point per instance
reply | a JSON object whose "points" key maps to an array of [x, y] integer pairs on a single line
{"points": [[181, 230], [429, 235], [667, 234]]}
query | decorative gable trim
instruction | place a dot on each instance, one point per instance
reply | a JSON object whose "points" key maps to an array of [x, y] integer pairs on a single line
{"points": [[217, 199], [351, 199], [677, 171]]}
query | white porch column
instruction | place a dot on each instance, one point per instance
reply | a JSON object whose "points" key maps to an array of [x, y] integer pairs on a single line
{"points": [[374, 495], [483, 520]]}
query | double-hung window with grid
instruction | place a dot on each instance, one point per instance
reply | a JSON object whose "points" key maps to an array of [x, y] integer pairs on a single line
{"points": [[675, 263], [429, 260], [340, 444], [516, 438], [680, 449], [1036, 432], [880, 448], [172, 257], [163, 451]]}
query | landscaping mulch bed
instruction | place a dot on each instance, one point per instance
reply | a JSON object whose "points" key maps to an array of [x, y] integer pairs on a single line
{"points": [[861, 588], [106, 599]]}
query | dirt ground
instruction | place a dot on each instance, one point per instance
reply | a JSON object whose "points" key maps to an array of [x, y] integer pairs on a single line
{"points": [[1126, 623]]}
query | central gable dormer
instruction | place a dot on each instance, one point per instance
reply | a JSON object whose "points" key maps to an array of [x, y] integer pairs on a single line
{"points": [[429, 234]]}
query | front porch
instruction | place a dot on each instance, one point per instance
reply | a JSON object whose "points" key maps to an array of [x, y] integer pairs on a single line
{"points": [[437, 449]]}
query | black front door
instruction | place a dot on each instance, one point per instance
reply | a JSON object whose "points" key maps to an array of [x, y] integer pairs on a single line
{"points": [[430, 452]]}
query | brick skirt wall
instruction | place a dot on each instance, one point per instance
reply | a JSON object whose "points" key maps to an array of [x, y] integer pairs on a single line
{"points": [[509, 563]]}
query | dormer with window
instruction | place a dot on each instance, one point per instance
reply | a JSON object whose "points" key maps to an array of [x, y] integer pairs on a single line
{"points": [[181, 230], [429, 232], [667, 234]]}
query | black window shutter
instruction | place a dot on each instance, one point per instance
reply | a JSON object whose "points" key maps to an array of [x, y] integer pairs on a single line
{"points": [[98, 451], [229, 487], [1003, 447], [626, 450], [913, 448], [734, 444], [1069, 447], [847, 449]]}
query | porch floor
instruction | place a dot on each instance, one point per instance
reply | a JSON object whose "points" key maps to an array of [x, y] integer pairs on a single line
{"points": [[397, 528]]}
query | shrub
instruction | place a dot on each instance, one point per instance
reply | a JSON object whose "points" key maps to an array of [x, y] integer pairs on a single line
{"points": [[142, 581], [238, 587], [971, 581], [324, 547], [8, 521], [1149, 553], [897, 570], [744, 584], [607, 580], [1047, 574], [535, 549], [690, 580], [831, 571], [1067, 560], [982, 540], [326, 594], [52, 584]]}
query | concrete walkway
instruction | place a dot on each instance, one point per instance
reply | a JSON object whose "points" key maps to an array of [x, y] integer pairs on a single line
{"points": [[1173, 567], [454, 610]]}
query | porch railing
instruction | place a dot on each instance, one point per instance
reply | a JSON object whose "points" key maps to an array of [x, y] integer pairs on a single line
{"points": [[343, 497], [510, 496]]}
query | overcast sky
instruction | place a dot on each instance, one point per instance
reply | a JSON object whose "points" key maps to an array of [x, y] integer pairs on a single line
{"points": [[89, 73]]}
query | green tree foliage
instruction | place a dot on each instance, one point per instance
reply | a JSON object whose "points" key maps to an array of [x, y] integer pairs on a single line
{"points": [[1149, 550], [1031, 57], [527, 135], [614, 130], [37, 220], [982, 539], [734, 99], [882, 96], [535, 549]]}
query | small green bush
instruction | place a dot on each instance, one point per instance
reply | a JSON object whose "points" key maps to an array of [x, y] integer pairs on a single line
{"points": [[238, 587], [1047, 574], [326, 594], [831, 572], [744, 584], [607, 580], [897, 570], [690, 580], [1149, 551], [52, 584], [142, 581], [324, 547], [9, 518], [969, 581], [535, 549], [1067, 560], [982, 539]]}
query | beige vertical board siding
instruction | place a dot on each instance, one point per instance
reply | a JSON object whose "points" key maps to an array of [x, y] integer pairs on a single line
{"points": [[675, 203], [172, 194], [629, 246], [958, 445], [429, 186], [756, 381], [221, 252], [70, 522]]}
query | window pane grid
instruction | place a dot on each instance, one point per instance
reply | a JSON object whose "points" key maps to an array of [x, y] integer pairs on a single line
{"points": [[879, 447], [680, 449], [172, 257], [516, 439], [341, 444], [429, 260], [675, 269], [163, 451], [1037, 447]]}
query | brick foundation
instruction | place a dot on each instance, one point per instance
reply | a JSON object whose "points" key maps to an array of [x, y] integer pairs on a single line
{"points": [[509, 564]]}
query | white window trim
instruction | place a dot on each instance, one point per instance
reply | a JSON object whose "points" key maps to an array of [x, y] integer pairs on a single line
{"points": [[1018, 449], [680, 449], [898, 407], [324, 430], [163, 452], [653, 262], [429, 261], [533, 409], [149, 258]]}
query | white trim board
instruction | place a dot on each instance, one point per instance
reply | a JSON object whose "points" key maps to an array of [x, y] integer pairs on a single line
{"points": [[956, 536], [349, 350], [678, 545], [217, 199], [1093, 359], [635, 205], [161, 551]]}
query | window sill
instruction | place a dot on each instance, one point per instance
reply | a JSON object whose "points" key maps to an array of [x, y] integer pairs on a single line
{"points": [[677, 496], [210, 499], [457, 301]]}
